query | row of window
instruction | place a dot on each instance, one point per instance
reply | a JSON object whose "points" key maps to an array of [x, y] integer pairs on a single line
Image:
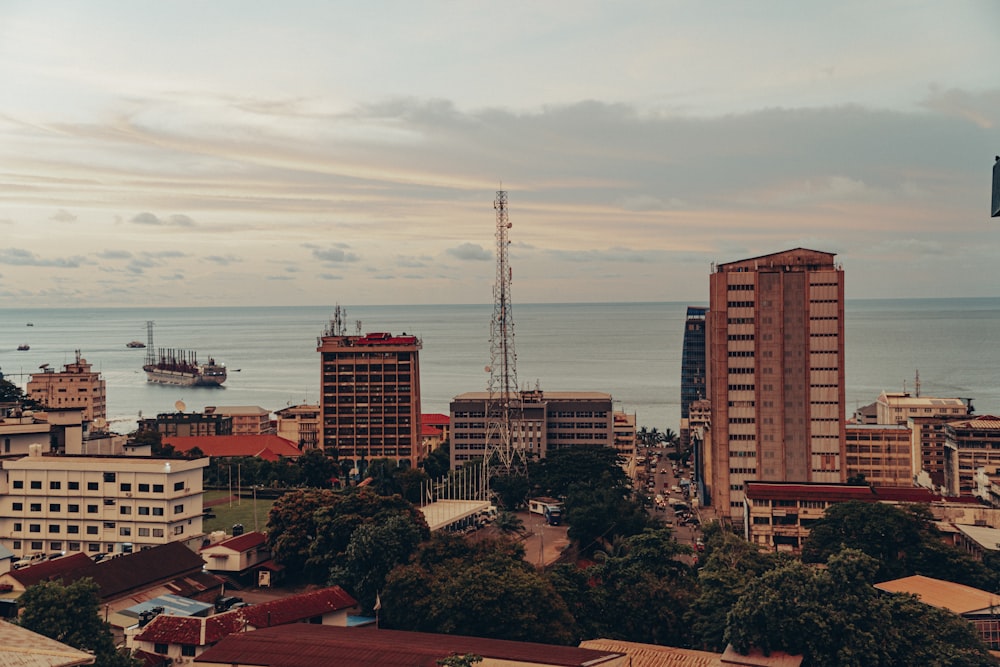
{"points": [[74, 529], [74, 508], [124, 487]]}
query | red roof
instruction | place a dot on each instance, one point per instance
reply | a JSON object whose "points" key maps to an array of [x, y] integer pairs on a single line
{"points": [[242, 542], [430, 431], [305, 645], [385, 339], [292, 609], [269, 447], [50, 570], [435, 419]]}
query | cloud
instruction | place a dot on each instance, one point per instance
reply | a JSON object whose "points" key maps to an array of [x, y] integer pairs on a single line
{"points": [[470, 251], [21, 257], [225, 260], [62, 215], [330, 276], [626, 255], [114, 254], [272, 277], [175, 220], [335, 255]]}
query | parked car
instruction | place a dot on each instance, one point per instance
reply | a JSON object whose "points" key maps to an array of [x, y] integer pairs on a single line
{"points": [[25, 561]]}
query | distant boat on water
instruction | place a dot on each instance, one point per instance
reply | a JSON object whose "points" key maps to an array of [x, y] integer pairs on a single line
{"points": [[135, 343], [23, 346], [31, 324], [180, 367]]}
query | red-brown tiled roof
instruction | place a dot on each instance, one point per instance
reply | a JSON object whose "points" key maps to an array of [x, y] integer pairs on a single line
{"points": [[240, 543], [269, 447], [435, 419], [66, 568], [845, 492], [430, 431], [297, 607], [306, 645], [167, 629]]}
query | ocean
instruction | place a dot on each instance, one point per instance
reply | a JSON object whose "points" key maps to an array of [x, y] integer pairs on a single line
{"points": [[630, 350]]}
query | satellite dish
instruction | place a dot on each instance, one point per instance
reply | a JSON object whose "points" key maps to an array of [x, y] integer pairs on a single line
{"points": [[181, 407], [100, 423]]}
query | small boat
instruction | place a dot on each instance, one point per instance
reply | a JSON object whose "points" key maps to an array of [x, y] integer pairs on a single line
{"points": [[31, 324], [23, 346], [135, 343]]}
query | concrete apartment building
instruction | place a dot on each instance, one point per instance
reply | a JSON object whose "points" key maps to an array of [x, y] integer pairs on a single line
{"points": [[97, 504], [247, 419], [972, 445], [76, 386], [186, 424], [300, 424], [880, 452], [898, 408], [775, 378], [543, 421], [370, 398]]}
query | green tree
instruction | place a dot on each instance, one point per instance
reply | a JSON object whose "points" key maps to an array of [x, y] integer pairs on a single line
{"points": [[484, 589], [509, 523], [11, 393], [511, 490], [71, 615], [833, 617], [373, 551], [596, 515], [466, 660], [598, 467], [317, 469], [438, 462]]}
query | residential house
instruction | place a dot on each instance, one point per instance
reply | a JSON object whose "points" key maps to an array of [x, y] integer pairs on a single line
{"points": [[242, 556]]}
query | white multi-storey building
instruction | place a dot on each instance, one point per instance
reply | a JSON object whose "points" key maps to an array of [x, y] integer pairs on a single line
{"points": [[98, 504]]}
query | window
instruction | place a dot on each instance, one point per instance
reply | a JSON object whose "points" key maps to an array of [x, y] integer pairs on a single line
{"points": [[126, 486], [109, 501], [144, 532], [17, 527], [73, 508], [178, 530], [36, 483], [91, 547], [73, 486], [187, 650], [144, 511], [36, 546], [157, 488], [109, 477], [160, 648], [72, 546], [91, 509], [55, 507], [178, 486], [125, 531], [92, 486], [73, 529], [157, 511], [18, 483], [36, 507], [17, 507], [157, 532], [92, 530], [109, 524], [144, 488], [125, 509], [34, 527], [55, 485], [53, 527], [178, 509]]}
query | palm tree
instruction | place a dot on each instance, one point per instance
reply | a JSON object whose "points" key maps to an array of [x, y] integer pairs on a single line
{"points": [[509, 523], [671, 438]]}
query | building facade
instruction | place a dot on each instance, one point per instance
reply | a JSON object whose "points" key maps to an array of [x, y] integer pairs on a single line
{"points": [[897, 408], [692, 367], [971, 445], [775, 359], [95, 504], [879, 453], [299, 423], [247, 419], [76, 386], [370, 398], [541, 422], [186, 424]]}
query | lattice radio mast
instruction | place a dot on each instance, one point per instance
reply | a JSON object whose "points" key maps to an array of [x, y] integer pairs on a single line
{"points": [[504, 455]]}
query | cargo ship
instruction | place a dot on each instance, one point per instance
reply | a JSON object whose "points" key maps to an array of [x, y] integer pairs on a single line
{"points": [[180, 367]]}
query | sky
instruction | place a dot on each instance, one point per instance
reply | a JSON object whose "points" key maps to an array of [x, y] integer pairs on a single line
{"points": [[237, 152]]}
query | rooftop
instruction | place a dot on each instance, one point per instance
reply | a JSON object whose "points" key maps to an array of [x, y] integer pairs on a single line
{"points": [[956, 598], [269, 446]]}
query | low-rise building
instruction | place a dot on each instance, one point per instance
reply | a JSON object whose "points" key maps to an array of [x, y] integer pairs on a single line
{"points": [[187, 424], [880, 452], [300, 424], [971, 445], [268, 447], [239, 556], [24, 648], [182, 638], [76, 386], [434, 431], [247, 419], [898, 407], [541, 422], [96, 504]]}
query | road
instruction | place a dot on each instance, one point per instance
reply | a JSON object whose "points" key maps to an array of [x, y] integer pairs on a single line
{"points": [[664, 479]]}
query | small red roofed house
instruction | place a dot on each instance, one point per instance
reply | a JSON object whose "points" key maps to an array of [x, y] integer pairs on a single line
{"points": [[186, 637], [267, 447], [433, 431], [240, 556]]}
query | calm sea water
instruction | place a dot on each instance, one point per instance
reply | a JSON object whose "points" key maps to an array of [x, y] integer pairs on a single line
{"points": [[630, 350]]}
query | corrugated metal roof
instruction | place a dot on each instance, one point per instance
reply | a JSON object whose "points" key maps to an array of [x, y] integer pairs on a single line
{"points": [[649, 655], [24, 648], [302, 645], [954, 597]]}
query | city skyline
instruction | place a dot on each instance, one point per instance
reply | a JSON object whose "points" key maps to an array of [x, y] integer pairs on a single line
{"points": [[314, 153]]}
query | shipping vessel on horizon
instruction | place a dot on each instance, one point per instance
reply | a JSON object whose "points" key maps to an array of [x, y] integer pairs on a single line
{"points": [[180, 367]]}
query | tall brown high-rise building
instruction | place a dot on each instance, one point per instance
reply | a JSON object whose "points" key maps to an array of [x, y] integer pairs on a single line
{"points": [[370, 401], [775, 359]]}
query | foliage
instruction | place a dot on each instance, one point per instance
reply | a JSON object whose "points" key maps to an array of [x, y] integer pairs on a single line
{"points": [[834, 617], [485, 590], [729, 565], [466, 660], [438, 462], [597, 467], [71, 615], [373, 551], [511, 490], [317, 469], [596, 515], [309, 530], [11, 393], [509, 523], [903, 541]]}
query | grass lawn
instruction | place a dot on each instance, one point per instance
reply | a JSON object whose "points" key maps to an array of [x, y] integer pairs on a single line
{"points": [[240, 510]]}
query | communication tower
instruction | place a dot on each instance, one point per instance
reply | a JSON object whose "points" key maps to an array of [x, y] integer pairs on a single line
{"points": [[504, 454]]}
